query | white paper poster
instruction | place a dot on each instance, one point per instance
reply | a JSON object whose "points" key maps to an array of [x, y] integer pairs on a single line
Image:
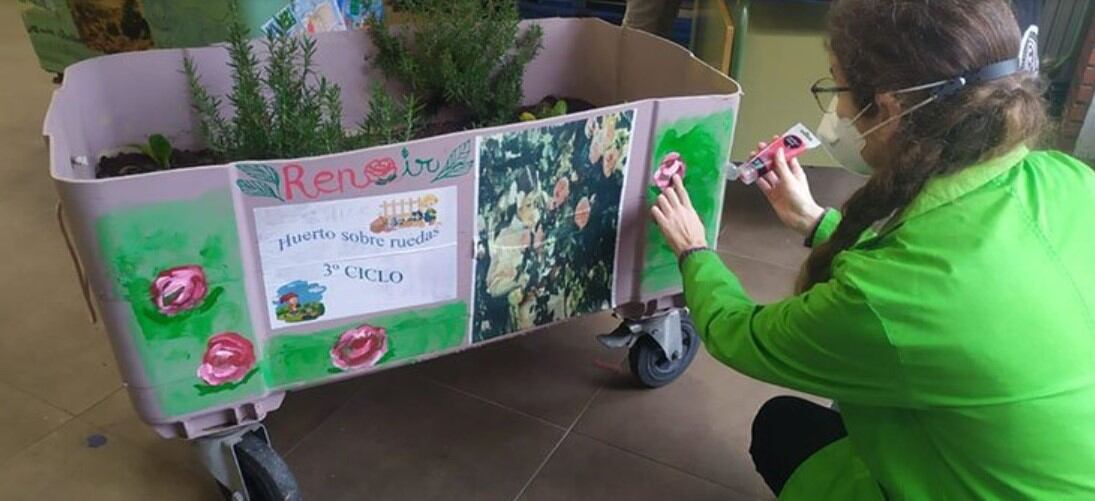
{"points": [[344, 258]]}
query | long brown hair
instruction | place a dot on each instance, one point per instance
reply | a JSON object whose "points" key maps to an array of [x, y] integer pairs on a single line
{"points": [[887, 45]]}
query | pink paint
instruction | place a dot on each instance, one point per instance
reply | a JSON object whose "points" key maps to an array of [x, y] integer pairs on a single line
{"points": [[794, 142], [228, 358], [671, 165], [178, 289], [362, 346]]}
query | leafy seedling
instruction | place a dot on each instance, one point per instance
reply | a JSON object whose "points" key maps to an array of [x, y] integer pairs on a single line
{"points": [[158, 148], [544, 111]]}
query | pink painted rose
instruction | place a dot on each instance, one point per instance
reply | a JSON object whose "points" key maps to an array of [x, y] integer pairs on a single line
{"points": [[581, 213], [362, 346], [179, 289], [381, 170], [561, 192], [672, 165], [228, 358]]}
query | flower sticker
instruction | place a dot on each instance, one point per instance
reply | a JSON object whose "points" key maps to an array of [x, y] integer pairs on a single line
{"points": [[228, 358], [671, 165], [178, 289], [362, 346]]}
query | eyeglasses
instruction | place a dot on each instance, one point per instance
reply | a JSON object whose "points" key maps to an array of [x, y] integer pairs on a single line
{"points": [[824, 89]]}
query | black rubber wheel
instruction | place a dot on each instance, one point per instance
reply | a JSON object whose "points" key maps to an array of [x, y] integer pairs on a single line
{"points": [[652, 368], [264, 472]]}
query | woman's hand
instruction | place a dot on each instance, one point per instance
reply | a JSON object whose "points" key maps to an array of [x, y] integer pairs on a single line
{"points": [[678, 220], [788, 191]]}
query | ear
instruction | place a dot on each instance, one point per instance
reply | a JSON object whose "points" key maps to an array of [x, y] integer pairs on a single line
{"points": [[888, 107]]}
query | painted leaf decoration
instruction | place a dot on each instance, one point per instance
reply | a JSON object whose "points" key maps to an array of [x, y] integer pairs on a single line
{"points": [[256, 188], [459, 162], [261, 172]]}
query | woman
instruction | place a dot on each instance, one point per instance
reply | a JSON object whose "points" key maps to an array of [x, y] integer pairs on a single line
{"points": [[950, 310]]}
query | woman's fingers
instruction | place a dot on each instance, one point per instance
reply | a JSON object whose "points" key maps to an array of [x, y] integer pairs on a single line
{"points": [[682, 194], [796, 170], [765, 186], [659, 216], [782, 170], [772, 179], [671, 195]]}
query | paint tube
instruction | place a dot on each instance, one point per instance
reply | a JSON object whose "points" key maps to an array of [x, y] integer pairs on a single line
{"points": [[794, 142]]}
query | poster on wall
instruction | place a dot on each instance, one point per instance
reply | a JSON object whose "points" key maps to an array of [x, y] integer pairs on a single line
{"points": [[547, 223], [343, 258]]}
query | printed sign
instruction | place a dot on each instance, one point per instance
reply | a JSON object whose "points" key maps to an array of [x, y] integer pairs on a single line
{"points": [[353, 257], [306, 16]]}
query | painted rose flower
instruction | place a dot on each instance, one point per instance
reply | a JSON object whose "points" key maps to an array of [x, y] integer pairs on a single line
{"points": [[611, 160], [506, 253], [178, 289], [362, 346], [381, 170], [228, 358], [671, 165], [581, 213], [560, 193]]}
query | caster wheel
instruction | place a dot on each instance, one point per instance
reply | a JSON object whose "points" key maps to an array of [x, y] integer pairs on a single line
{"points": [[650, 365], [264, 472]]}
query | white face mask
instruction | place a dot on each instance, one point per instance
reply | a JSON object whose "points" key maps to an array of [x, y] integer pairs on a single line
{"points": [[846, 144], [843, 140]]}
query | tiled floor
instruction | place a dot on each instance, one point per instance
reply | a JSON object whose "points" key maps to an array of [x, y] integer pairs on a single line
{"points": [[550, 416]]}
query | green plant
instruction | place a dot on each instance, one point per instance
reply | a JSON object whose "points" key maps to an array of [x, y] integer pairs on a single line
{"points": [[158, 148], [281, 109], [470, 54], [284, 109], [544, 111], [389, 121]]}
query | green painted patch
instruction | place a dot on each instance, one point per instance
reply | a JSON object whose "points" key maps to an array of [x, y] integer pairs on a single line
{"points": [[703, 144], [294, 359], [140, 242]]}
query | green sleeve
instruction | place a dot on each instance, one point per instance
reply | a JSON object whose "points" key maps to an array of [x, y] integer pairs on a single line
{"points": [[825, 227], [826, 342]]}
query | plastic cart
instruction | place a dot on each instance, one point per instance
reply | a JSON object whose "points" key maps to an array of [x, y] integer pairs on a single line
{"points": [[224, 287]]}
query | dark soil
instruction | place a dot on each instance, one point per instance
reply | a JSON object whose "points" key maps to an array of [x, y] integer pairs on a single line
{"points": [[129, 163]]}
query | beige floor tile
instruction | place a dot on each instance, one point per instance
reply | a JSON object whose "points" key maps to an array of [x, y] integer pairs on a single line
{"points": [[405, 438], [63, 467], [24, 420], [585, 469], [115, 416], [304, 411], [701, 422], [550, 374]]}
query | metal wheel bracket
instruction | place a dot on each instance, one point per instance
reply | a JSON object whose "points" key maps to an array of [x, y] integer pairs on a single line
{"points": [[666, 331], [218, 454], [663, 329]]}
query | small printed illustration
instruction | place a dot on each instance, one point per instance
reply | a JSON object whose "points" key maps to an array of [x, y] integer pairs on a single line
{"points": [[415, 212], [300, 301]]}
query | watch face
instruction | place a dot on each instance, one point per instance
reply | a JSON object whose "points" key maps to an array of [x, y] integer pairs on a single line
{"points": [[1028, 50], [792, 142]]}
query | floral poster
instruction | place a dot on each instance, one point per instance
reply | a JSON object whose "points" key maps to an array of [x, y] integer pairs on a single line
{"points": [[548, 218]]}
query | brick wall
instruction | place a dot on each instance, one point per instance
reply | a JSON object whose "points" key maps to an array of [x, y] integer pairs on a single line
{"points": [[1081, 94]]}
